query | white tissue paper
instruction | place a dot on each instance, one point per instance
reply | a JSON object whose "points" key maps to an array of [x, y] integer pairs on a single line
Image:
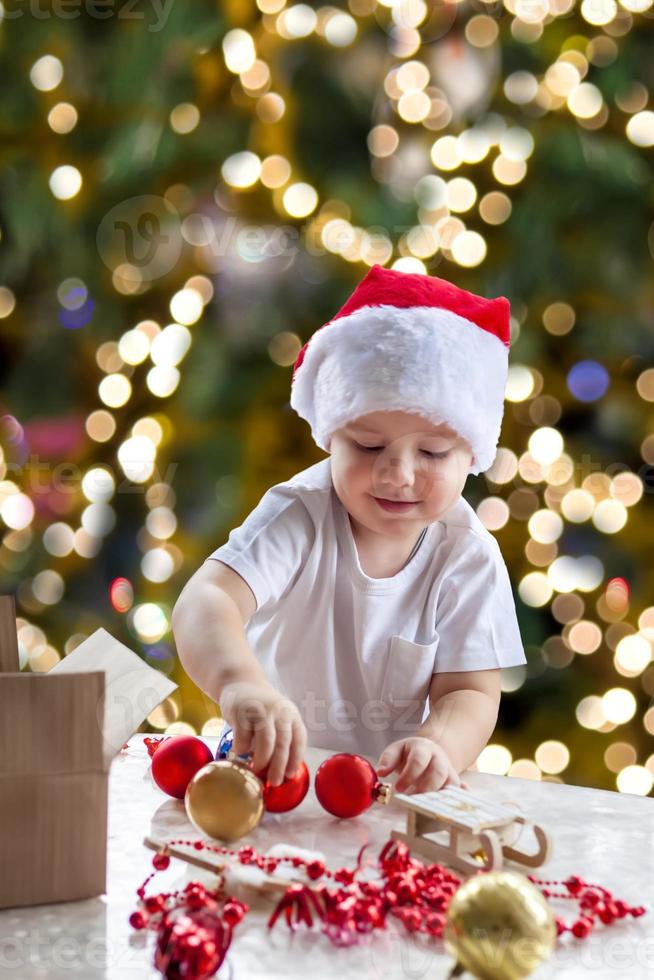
{"points": [[133, 689]]}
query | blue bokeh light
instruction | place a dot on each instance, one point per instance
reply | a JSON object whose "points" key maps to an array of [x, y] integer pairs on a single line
{"points": [[588, 381]]}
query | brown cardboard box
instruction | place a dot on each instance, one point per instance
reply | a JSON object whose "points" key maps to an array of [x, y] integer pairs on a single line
{"points": [[58, 734]]}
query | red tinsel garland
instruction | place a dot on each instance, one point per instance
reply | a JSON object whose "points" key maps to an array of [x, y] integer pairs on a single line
{"points": [[194, 926]]}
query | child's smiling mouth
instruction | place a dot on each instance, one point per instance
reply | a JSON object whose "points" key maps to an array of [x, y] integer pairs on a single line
{"points": [[396, 505]]}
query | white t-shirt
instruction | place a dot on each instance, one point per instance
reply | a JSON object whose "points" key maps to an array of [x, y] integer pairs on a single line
{"points": [[356, 654]]}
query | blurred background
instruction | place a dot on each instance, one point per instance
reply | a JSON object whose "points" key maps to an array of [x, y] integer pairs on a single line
{"points": [[189, 189]]}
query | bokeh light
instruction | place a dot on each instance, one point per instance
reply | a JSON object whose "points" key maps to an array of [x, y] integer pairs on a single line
{"points": [[65, 182], [343, 138], [588, 381]]}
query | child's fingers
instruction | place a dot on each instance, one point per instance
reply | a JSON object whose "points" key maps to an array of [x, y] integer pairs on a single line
{"points": [[390, 758], [279, 758], [453, 778], [434, 777], [296, 750], [418, 760], [429, 780], [244, 719], [264, 743], [242, 741]]}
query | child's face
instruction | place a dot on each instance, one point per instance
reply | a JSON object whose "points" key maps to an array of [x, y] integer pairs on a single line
{"points": [[398, 456]]}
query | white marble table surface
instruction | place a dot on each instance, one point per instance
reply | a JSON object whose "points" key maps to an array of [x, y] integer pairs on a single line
{"points": [[607, 838]]}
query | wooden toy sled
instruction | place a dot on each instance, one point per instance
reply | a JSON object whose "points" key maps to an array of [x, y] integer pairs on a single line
{"points": [[478, 833]]}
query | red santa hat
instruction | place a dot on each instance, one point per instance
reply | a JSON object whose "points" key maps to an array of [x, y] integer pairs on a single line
{"points": [[409, 342]]}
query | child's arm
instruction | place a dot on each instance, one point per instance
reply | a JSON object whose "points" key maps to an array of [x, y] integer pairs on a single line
{"points": [[463, 713], [209, 628]]}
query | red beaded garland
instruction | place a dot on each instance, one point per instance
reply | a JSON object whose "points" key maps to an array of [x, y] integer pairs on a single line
{"points": [[160, 862], [417, 895], [595, 901], [138, 919]]}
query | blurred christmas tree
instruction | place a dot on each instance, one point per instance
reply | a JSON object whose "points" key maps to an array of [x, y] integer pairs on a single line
{"points": [[189, 189]]}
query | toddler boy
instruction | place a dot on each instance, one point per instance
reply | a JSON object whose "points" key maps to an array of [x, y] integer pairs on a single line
{"points": [[362, 606]]}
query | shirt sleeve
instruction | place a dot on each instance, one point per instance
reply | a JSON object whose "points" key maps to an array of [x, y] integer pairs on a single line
{"points": [[271, 545], [476, 619]]}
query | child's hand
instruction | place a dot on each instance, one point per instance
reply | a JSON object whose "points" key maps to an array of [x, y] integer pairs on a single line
{"points": [[268, 725], [423, 765]]}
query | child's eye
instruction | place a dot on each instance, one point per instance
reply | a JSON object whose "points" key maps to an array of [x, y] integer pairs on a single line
{"points": [[376, 449]]}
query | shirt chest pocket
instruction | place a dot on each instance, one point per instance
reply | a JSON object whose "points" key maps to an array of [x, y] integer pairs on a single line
{"points": [[409, 670]]}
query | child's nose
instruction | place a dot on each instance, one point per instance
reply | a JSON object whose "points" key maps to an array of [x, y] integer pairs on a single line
{"points": [[400, 469]]}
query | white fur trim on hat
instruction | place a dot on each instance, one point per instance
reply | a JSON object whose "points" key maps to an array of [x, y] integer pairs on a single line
{"points": [[424, 360]]}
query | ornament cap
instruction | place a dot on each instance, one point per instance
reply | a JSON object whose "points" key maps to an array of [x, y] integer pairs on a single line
{"points": [[239, 760], [383, 793]]}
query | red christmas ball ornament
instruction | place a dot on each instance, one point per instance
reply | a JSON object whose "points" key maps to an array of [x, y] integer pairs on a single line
{"points": [[176, 761], [346, 785], [289, 793]]}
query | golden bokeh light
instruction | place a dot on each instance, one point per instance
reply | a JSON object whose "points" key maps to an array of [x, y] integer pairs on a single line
{"points": [[636, 780], [46, 73], [640, 129], [256, 78], [520, 383], [184, 118], [495, 208], [590, 713], [100, 425], [284, 348], [300, 200], [65, 182], [481, 31], [507, 171], [241, 170], [7, 302], [584, 637], [545, 445], [494, 759], [545, 526], [340, 29], [505, 466], [270, 108], [535, 590], [552, 757], [275, 171], [619, 755], [618, 705], [383, 140], [62, 118], [445, 153], [115, 390], [568, 608], [493, 512], [469, 249], [632, 655], [610, 516], [524, 769], [238, 50]]}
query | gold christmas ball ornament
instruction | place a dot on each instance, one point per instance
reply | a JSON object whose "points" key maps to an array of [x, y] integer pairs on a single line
{"points": [[498, 926], [224, 800]]}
